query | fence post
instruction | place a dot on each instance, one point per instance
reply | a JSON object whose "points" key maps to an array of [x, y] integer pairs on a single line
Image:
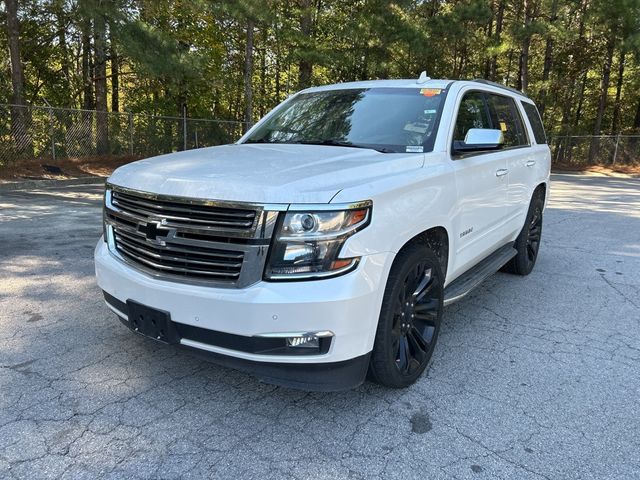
{"points": [[51, 130], [130, 133], [615, 150], [184, 126]]}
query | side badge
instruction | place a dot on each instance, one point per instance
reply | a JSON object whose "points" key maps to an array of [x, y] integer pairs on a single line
{"points": [[466, 232]]}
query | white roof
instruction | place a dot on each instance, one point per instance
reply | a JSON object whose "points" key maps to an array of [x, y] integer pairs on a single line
{"points": [[414, 83], [404, 83]]}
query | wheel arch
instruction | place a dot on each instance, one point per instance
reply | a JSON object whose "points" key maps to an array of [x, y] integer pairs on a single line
{"points": [[541, 189], [437, 239]]}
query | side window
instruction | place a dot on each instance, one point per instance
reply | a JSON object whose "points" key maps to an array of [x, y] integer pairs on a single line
{"points": [[505, 116], [536, 122], [471, 114]]}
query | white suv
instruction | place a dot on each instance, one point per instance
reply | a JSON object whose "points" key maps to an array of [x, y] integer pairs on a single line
{"points": [[324, 244]]}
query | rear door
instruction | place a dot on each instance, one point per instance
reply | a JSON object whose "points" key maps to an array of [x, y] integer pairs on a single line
{"points": [[481, 183], [505, 115], [540, 164]]}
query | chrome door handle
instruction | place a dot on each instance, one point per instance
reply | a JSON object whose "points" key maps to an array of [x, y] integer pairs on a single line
{"points": [[530, 163], [501, 172]]}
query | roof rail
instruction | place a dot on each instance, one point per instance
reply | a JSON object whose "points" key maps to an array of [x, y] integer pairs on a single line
{"points": [[498, 85]]}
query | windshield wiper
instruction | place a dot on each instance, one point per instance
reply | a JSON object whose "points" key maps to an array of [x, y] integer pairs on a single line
{"points": [[339, 143], [328, 141]]}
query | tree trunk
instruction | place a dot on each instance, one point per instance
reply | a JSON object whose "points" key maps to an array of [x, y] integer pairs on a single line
{"points": [[562, 154], [277, 85], [305, 67], [633, 141], [493, 67], [583, 86], [65, 64], [278, 39], [616, 108], [548, 59], [248, 75], [87, 66], [263, 80], [100, 82], [19, 115], [509, 64], [602, 104], [523, 77], [115, 78], [489, 34]]}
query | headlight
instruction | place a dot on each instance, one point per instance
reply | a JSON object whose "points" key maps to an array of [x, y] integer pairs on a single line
{"points": [[308, 243]]}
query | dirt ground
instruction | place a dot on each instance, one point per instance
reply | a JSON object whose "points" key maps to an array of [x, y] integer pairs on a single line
{"points": [[98, 166], [101, 166], [611, 171]]}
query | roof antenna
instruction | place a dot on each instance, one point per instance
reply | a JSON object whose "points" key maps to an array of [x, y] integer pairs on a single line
{"points": [[423, 77]]}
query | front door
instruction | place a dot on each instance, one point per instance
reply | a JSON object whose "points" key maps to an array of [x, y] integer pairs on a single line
{"points": [[481, 181]]}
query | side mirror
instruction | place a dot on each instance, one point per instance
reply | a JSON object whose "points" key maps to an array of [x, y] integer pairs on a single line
{"points": [[480, 139]]}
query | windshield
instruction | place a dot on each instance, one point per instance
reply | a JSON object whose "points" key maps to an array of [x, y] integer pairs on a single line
{"points": [[390, 120]]}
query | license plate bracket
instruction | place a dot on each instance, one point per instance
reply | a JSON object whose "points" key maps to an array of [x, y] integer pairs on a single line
{"points": [[152, 322]]}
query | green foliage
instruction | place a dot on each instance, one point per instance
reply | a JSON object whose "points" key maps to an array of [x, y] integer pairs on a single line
{"points": [[192, 52]]}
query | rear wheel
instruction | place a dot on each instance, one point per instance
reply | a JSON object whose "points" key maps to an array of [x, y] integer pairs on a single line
{"points": [[528, 242], [409, 319]]}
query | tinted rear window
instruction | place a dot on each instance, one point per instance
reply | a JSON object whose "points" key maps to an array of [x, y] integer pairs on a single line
{"points": [[535, 121]]}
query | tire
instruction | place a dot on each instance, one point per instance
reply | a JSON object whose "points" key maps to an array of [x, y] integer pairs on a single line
{"points": [[410, 318], [528, 242]]}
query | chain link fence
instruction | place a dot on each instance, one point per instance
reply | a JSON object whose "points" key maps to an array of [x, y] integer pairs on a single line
{"points": [[587, 150], [49, 133]]}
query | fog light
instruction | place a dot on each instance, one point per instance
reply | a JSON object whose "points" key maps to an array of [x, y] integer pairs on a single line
{"points": [[307, 341]]}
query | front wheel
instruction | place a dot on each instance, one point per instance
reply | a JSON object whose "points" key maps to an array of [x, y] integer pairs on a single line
{"points": [[528, 242], [409, 319]]}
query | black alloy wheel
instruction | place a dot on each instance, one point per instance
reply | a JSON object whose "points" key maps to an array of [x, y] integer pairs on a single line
{"points": [[410, 318], [534, 234], [528, 242]]}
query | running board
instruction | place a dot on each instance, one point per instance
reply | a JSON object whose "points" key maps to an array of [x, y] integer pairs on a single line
{"points": [[469, 280]]}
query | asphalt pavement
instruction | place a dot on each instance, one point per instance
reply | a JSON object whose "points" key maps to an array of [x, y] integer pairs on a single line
{"points": [[534, 377]]}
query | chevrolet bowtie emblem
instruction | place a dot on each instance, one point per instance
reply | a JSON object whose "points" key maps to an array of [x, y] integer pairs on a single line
{"points": [[153, 230]]}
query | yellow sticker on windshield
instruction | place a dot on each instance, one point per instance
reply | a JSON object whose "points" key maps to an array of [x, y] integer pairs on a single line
{"points": [[430, 92], [503, 126]]}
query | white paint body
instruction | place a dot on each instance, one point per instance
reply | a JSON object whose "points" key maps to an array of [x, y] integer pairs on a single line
{"points": [[411, 193]]}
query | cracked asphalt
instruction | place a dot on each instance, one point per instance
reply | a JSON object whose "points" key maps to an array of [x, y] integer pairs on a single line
{"points": [[534, 377]]}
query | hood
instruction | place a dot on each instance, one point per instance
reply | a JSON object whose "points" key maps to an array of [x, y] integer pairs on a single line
{"points": [[263, 173]]}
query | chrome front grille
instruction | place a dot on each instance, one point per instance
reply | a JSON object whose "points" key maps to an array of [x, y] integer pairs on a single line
{"points": [[186, 215], [189, 262], [189, 240]]}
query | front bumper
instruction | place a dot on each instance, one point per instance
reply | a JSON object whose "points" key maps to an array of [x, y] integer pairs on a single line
{"points": [[348, 306]]}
